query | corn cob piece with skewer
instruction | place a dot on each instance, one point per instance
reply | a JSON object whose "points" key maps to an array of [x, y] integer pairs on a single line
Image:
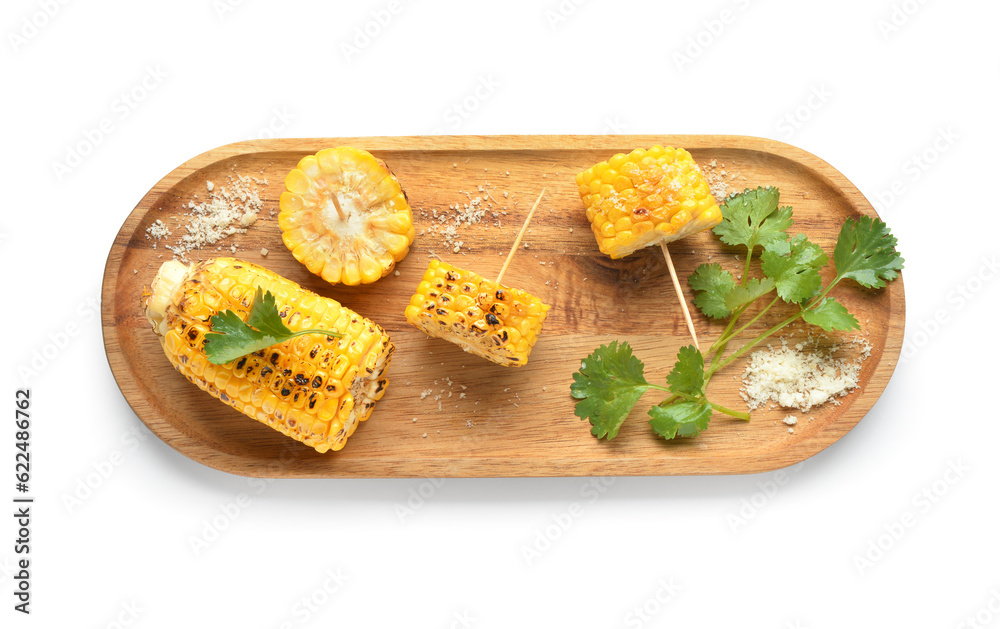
{"points": [[645, 198], [483, 317], [314, 388]]}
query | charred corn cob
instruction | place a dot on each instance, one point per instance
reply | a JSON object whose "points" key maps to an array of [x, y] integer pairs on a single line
{"points": [[646, 197], [313, 388], [345, 217], [484, 318]]}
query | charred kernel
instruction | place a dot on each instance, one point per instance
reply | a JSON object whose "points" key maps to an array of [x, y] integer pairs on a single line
{"points": [[274, 358], [192, 333], [314, 351], [285, 392], [442, 312], [491, 319], [266, 371], [452, 276], [317, 382], [242, 363], [300, 379]]}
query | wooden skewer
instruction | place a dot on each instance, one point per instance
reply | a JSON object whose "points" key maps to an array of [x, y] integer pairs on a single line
{"points": [[336, 204], [680, 294], [520, 235]]}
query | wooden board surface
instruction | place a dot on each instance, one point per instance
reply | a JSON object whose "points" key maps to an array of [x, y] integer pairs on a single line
{"points": [[510, 421]]}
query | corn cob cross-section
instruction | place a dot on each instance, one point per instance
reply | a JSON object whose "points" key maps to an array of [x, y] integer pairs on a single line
{"points": [[646, 197], [484, 318], [313, 388], [345, 217]]}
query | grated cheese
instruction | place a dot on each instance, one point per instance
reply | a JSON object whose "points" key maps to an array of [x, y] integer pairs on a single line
{"points": [[801, 377], [229, 210]]}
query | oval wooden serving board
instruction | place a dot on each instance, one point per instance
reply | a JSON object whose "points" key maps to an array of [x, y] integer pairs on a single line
{"points": [[448, 413]]}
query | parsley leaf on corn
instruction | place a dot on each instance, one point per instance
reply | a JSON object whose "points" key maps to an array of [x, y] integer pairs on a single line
{"points": [[231, 338]]}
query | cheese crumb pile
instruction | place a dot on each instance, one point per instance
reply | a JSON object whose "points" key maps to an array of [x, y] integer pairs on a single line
{"points": [[229, 210], [802, 376], [478, 210], [718, 179]]}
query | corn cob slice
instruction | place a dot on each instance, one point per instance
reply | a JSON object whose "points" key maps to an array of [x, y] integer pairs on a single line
{"points": [[345, 217], [313, 388], [484, 318], [646, 197]]}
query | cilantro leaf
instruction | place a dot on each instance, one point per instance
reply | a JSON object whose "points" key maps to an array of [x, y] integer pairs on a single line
{"points": [[608, 385], [688, 375], [231, 338], [753, 218], [866, 252], [743, 295], [711, 284], [680, 419], [831, 315], [794, 266]]}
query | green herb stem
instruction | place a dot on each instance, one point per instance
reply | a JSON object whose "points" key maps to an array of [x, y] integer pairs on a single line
{"points": [[737, 414]]}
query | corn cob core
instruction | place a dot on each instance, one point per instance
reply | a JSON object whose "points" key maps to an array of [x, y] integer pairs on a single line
{"points": [[484, 318], [372, 230], [646, 197], [313, 388]]}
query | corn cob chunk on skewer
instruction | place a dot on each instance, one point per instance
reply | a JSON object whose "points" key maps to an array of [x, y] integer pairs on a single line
{"points": [[313, 388], [646, 197], [487, 319], [345, 216]]}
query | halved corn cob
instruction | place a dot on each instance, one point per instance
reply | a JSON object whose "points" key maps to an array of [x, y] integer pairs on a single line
{"points": [[487, 319], [344, 216], [646, 197], [313, 388]]}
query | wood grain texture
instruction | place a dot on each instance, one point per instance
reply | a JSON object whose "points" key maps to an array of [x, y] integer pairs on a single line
{"points": [[511, 421]]}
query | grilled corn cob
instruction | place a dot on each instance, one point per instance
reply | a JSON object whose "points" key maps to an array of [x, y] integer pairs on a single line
{"points": [[646, 197], [345, 217], [487, 319], [313, 388]]}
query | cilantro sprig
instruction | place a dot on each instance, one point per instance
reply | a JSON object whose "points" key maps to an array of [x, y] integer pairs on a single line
{"points": [[232, 338], [611, 380]]}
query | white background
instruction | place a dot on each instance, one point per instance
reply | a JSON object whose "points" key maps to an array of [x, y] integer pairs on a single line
{"points": [[769, 550]]}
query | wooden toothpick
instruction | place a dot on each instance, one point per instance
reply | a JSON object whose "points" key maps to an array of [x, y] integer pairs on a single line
{"points": [[680, 294], [520, 235], [336, 204]]}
